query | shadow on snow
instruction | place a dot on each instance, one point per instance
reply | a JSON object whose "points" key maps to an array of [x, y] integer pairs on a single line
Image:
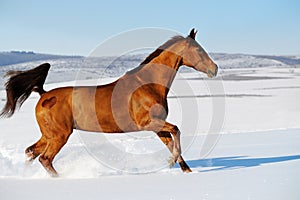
{"points": [[225, 163]]}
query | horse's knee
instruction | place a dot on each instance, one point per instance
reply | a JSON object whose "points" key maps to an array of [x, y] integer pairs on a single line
{"points": [[175, 130]]}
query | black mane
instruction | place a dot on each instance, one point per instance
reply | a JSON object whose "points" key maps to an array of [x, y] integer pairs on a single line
{"points": [[156, 53]]}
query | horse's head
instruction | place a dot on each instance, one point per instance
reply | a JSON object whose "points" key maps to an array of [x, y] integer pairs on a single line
{"points": [[195, 56]]}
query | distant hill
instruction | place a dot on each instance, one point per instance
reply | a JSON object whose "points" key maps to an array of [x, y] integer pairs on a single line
{"points": [[68, 68], [15, 57], [252, 61], [225, 60]]}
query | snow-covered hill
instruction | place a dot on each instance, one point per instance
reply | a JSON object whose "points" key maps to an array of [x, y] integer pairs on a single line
{"points": [[15, 57], [249, 61]]}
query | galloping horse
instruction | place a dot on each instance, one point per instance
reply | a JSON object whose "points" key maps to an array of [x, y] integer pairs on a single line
{"points": [[135, 102]]}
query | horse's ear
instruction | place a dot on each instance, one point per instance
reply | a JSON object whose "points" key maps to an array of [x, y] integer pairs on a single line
{"points": [[193, 34]]}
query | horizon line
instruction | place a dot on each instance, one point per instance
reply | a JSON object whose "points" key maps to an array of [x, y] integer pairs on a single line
{"points": [[76, 55]]}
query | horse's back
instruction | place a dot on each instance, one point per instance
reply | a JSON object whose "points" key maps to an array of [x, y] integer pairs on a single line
{"points": [[54, 97]]}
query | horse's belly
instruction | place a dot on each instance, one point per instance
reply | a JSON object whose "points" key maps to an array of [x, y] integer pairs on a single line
{"points": [[93, 112], [87, 117]]}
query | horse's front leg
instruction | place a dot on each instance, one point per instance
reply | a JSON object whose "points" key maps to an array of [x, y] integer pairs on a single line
{"points": [[176, 147], [157, 126], [167, 139]]}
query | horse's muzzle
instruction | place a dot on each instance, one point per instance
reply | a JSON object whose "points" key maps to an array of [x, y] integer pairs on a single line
{"points": [[212, 74]]}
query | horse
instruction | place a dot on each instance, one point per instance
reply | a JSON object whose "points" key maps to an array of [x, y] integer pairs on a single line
{"points": [[137, 101]]}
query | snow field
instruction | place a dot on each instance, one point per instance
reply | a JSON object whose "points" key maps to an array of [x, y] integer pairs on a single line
{"points": [[256, 154]]}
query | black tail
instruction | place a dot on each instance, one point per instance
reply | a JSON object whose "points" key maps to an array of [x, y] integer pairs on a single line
{"points": [[20, 85]]}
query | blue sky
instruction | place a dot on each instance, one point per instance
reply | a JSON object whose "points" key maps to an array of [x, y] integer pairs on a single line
{"points": [[77, 27]]}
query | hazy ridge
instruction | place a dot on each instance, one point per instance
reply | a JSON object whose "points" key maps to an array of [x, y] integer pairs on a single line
{"points": [[68, 68]]}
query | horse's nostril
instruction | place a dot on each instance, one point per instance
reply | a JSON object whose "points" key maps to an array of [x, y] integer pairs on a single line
{"points": [[216, 69]]}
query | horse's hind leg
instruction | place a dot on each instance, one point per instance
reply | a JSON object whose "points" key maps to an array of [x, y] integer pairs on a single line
{"points": [[36, 149], [54, 145], [166, 138]]}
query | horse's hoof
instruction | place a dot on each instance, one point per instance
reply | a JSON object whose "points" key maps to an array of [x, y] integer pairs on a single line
{"points": [[52, 173], [184, 167], [29, 157], [171, 162], [187, 171]]}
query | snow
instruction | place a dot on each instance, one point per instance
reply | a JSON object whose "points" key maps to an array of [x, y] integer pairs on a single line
{"points": [[249, 149]]}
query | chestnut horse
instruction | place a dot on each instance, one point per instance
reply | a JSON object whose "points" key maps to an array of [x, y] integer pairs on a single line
{"points": [[135, 102]]}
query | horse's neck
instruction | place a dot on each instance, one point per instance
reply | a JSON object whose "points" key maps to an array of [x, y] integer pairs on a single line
{"points": [[161, 71]]}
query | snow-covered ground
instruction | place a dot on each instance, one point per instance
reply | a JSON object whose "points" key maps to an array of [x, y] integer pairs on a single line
{"points": [[240, 136]]}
